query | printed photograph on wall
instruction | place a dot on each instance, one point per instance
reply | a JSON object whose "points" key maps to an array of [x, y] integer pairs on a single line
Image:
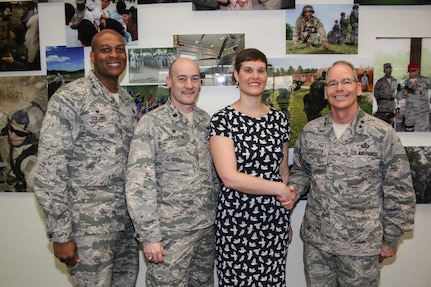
{"points": [[235, 5], [402, 83], [19, 36], [84, 19], [214, 54], [296, 87], [150, 65], [393, 2], [63, 65], [147, 97], [420, 165], [23, 102], [322, 29]]}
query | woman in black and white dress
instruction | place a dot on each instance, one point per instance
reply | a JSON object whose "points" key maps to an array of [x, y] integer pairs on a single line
{"points": [[249, 146]]}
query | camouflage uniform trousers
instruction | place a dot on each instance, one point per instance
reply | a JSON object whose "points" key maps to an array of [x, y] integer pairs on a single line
{"points": [[189, 261], [107, 260], [417, 121], [323, 269]]}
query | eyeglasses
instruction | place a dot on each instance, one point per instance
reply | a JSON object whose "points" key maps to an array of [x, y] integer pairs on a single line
{"points": [[347, 83], [17, 132]]}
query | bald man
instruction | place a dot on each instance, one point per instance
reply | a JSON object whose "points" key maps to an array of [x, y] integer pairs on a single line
{"points": [[171, 185], [83, 150]]}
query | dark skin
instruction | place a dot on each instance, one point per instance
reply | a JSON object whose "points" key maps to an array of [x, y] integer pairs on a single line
{"points": [[108, 55]]}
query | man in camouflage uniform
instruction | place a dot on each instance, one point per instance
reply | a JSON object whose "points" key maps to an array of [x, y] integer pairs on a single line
{"points": [[308, 28], [354, 22], [18, 148], [171, 185], [415, 92], [344, 25], [361, 197], [384, 93], [80, 186]]}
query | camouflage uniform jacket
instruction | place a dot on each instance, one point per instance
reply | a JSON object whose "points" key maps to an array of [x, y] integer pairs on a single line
{"points": [[171, 184], [82, 156], [384, 92], [417, 99], [303, 28], [360, 189]]}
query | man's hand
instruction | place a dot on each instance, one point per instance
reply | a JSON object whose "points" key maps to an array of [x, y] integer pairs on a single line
{"points": [[387, 252], [288, 201], [67, 252], [154, 251]]}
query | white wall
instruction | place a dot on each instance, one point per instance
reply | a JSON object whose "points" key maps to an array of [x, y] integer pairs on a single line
{"points": [[26, 255]]}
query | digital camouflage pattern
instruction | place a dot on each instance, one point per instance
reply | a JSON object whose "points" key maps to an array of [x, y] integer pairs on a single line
{"points": [[323, 269], [83, 152], [417, 106], [177, 271], [360, 189], [171, 183], [308, 31], [107, 260]]}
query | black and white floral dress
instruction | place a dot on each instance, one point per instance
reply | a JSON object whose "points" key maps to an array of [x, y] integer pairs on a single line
{"points": [[251, 230]]}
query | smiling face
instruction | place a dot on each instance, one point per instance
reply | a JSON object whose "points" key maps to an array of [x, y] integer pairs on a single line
{"points": [[185, 84], [342, 88], [252, 77], [108, 55]]}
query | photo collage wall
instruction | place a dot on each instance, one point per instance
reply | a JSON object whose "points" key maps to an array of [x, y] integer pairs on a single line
{"points": [[295, 84]]}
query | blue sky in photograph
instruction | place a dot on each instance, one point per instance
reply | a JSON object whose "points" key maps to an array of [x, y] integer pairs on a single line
{"points": [[327, 13], [63, 58]]}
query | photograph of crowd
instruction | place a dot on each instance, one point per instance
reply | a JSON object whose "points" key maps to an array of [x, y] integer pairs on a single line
{"points": [[83, 19]]}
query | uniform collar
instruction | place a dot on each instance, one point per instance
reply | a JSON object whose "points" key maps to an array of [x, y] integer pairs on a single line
{"points": [[101, 90], [358, 125], [175, 114]]}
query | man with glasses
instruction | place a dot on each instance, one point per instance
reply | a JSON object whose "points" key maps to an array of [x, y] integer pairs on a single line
{"points": [[18, 148], [361, 198]]}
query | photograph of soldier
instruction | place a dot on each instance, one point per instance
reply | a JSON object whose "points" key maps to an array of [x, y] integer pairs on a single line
{"points": [[412, 105], [420, 165], [100, 14], [296, 87], [19, 36], [354, 22], [308, 28], [63, 65], [384, 92], [314, 31], [393, 2], [23, 102], [18, 148], [415, 91]]}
